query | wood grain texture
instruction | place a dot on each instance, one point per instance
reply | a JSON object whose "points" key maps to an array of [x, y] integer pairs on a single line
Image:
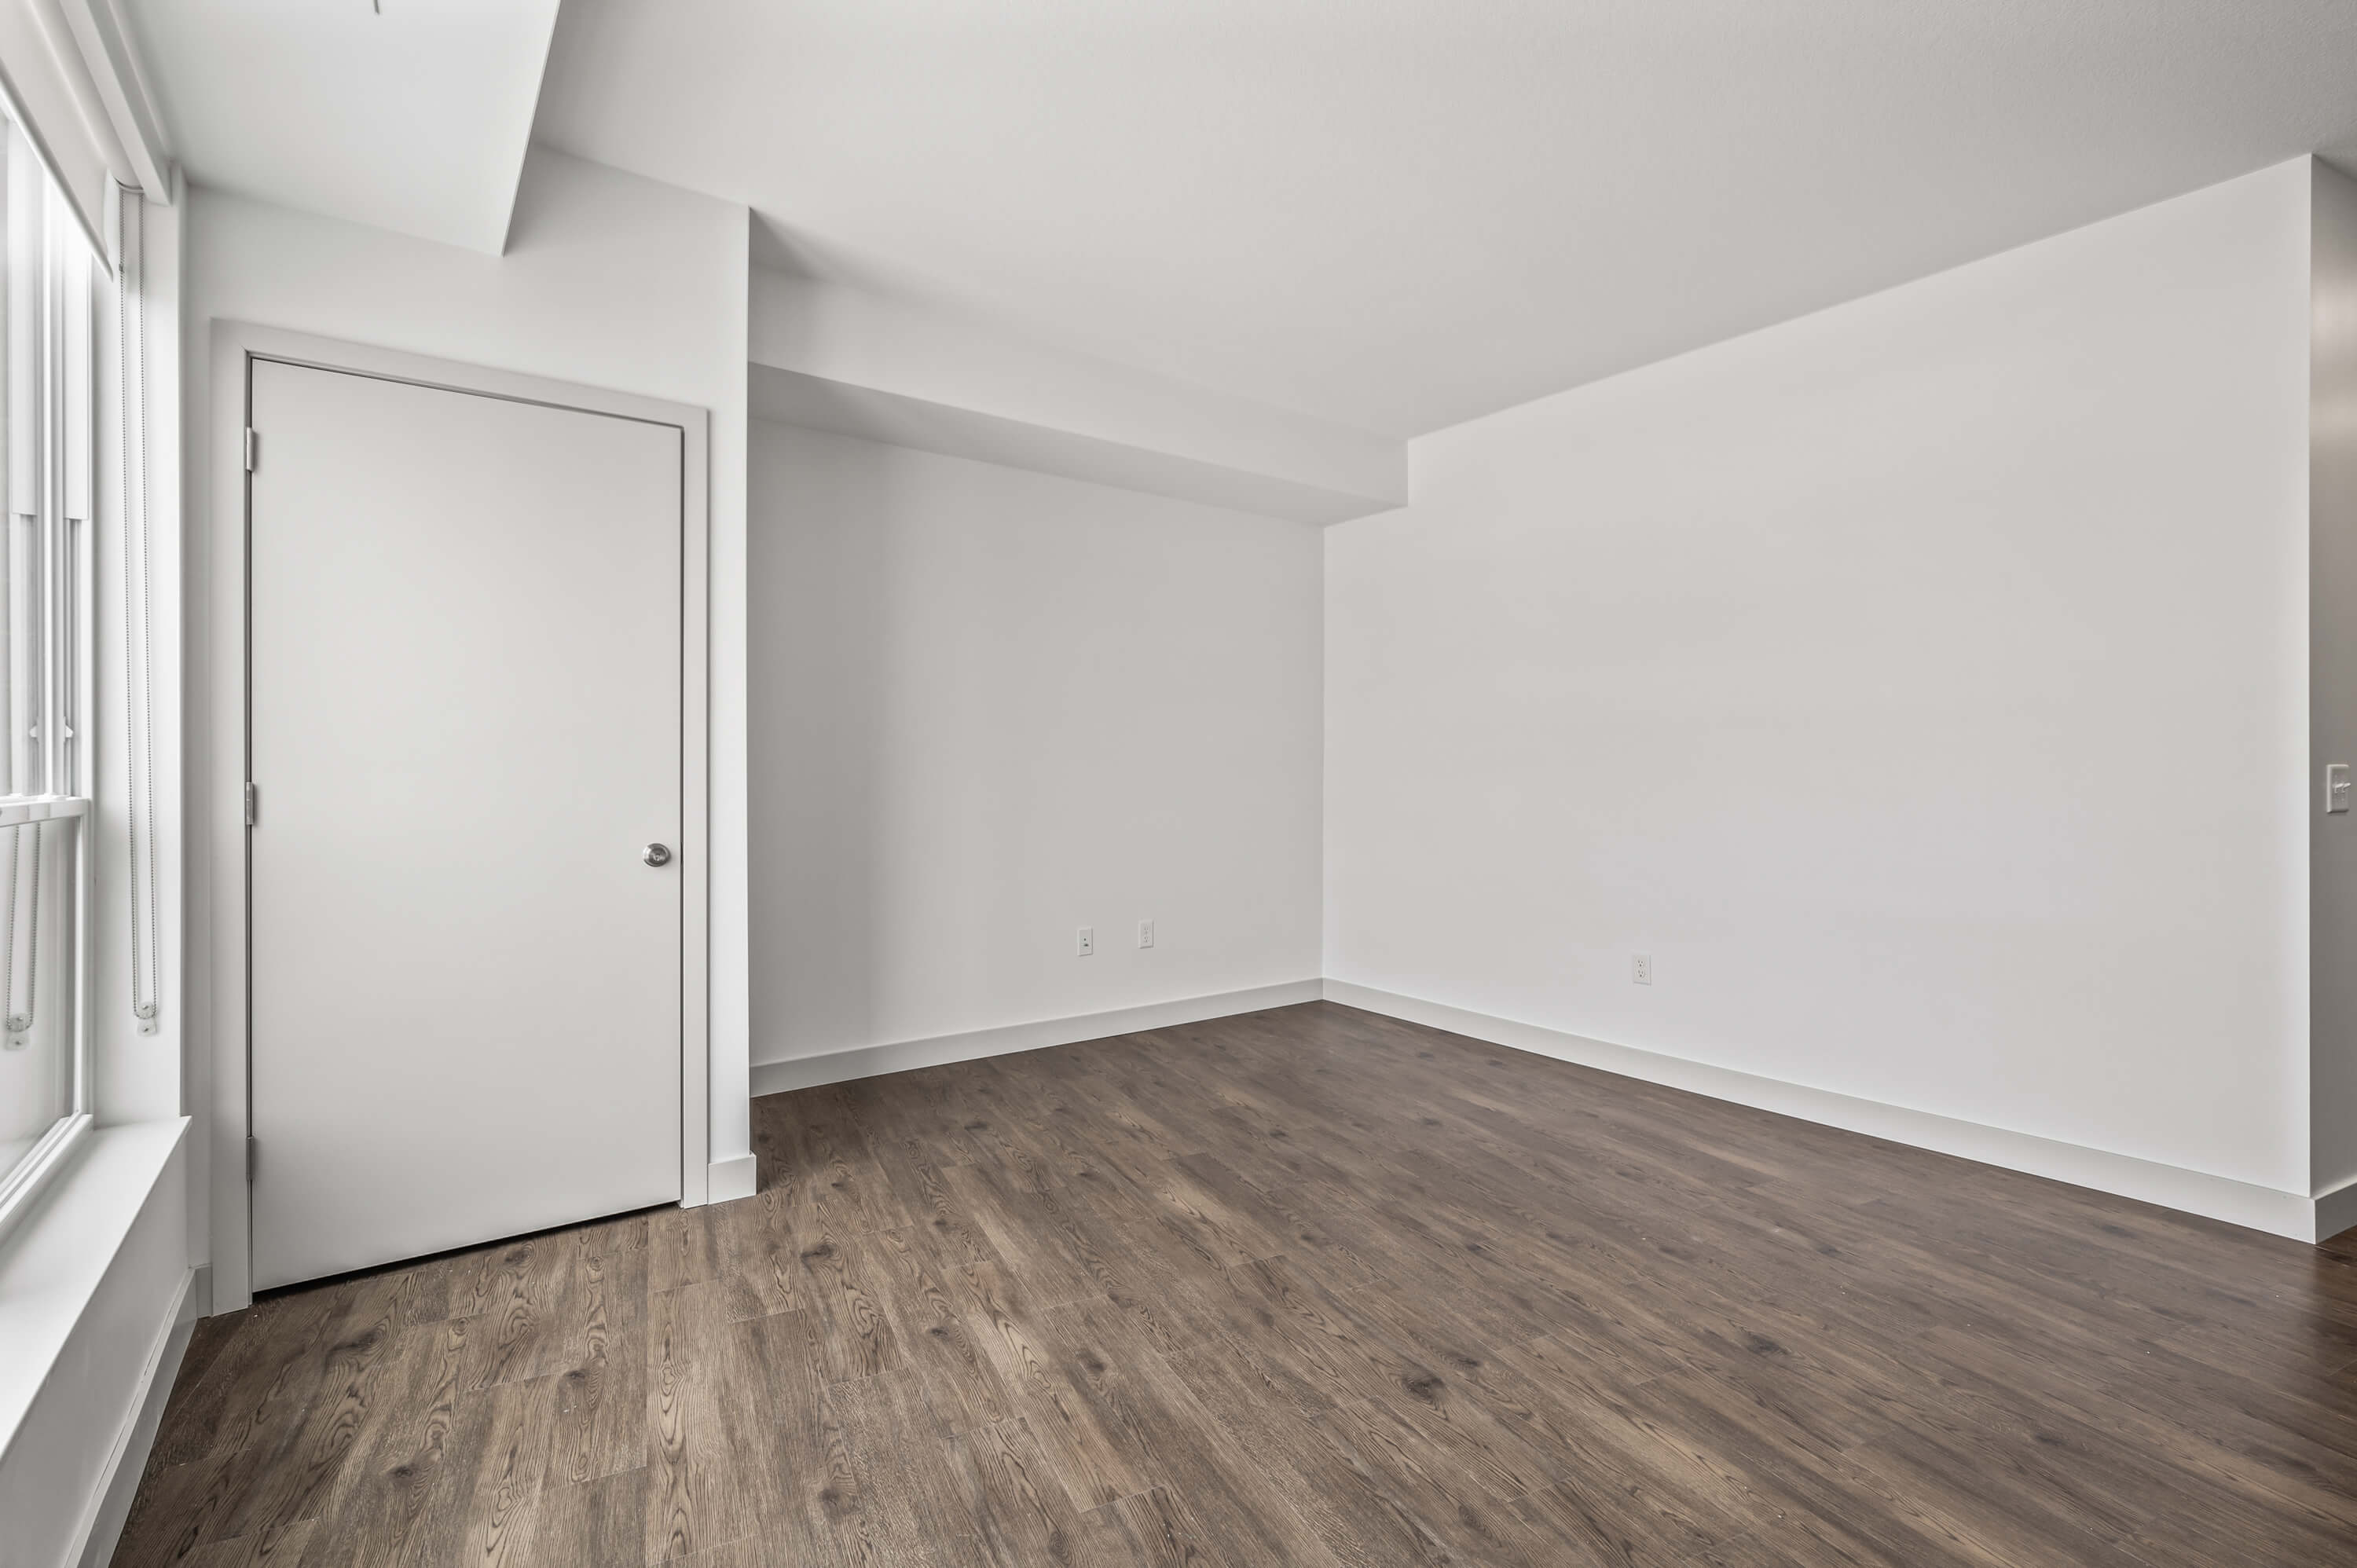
{"points": [[1308, 1287]]}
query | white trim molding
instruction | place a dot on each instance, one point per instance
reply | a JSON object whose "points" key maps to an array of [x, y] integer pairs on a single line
{"points": [[2289, 1214], [2336, 1210], [868, 1061], [728, 1179], [118, 77], [22, 1183]]}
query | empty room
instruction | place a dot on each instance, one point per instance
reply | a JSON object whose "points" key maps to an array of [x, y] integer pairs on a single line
{"points": [[1120, 783]]}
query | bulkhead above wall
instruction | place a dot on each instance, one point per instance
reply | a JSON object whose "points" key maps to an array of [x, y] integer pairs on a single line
{"points": [[836, 359]]}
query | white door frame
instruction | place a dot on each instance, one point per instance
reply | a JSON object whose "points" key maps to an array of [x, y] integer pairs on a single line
{"points": [[227, 726]]}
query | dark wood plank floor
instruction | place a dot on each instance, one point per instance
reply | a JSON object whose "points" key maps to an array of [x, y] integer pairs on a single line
{"points": [[1308, 1287]]}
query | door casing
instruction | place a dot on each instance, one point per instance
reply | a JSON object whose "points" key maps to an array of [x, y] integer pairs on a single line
{"points": [[223, 1059]]}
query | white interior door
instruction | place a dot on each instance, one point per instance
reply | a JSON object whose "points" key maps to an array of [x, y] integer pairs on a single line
{"points": [[465, 709]]}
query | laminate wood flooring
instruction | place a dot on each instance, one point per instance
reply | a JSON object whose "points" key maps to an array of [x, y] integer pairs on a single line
{"points": [[1306, 1287]]}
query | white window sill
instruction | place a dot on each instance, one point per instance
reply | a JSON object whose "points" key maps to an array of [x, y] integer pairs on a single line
{"points": [[57, 1253]]}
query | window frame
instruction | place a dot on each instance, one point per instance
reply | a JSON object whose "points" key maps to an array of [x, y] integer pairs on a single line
{"points": [[56, 362]]}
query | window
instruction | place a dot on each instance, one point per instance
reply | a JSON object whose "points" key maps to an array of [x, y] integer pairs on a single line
{"points": [[45, 571]]}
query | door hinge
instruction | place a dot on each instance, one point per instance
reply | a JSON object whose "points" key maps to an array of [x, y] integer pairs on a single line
{"points": [[253, 446], [252, 1156], [253, 802]]}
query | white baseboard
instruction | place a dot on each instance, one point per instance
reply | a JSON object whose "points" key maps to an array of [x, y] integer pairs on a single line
{"points": [[2292, 1215], [728, 1179], [110, 1504], [2300, 1218], [867, 1061], [2336, 1210]]}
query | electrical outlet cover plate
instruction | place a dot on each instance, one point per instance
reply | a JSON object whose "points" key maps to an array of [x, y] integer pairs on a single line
{"points": [[1641, 968]]}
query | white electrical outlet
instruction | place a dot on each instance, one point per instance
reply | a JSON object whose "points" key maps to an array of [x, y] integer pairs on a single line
{"points": [[1146, 933], [1641, 968], [1086, 942]]}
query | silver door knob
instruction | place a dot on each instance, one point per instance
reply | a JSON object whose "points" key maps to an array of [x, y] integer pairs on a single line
{"points": [[656, 855]]}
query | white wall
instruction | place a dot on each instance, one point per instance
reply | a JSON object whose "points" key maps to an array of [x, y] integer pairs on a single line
{"points": [[990, 706], [609, 280], [1922, 683], [2332, 506]]}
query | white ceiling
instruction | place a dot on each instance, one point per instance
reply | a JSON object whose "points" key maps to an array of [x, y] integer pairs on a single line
{"points": [[408, 114], [1402, 213]]}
